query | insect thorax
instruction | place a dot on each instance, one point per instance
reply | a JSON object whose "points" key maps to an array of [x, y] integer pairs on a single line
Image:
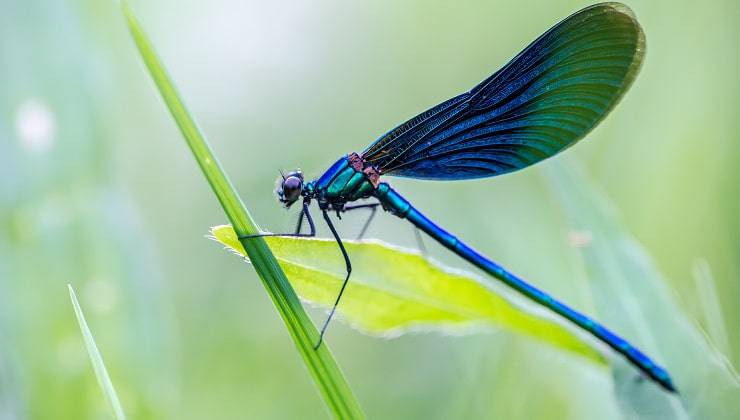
{"points": [[348, 179]]}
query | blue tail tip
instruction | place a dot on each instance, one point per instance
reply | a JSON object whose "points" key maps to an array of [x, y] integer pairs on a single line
{"points": [[665, 381], [668, 384]]}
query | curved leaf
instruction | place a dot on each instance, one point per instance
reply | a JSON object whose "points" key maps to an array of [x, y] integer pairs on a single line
{"points": [[393, 291]]}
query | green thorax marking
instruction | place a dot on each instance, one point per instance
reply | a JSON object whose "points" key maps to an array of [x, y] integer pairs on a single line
{"points": [[343, 182]]}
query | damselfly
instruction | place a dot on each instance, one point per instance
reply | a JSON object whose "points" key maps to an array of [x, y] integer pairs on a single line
{"points": [[543, 101]]}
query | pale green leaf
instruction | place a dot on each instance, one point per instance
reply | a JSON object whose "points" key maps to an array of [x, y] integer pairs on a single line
{"points": [[632, 297], [393, 291]]}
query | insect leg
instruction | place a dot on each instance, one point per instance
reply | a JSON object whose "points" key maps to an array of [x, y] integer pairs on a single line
{"points": [[373, 209], [346, 279], [299, 224], [297, 234], [420, 242]]}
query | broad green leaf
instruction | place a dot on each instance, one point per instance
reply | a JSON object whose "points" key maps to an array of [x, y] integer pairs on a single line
{"points": [[393, 291], [106, 385], [632, 297]]}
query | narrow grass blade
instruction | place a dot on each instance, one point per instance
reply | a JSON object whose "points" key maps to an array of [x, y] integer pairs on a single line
{"points": [[320, 363], [710, 305], [394, 291], [97, 359]]}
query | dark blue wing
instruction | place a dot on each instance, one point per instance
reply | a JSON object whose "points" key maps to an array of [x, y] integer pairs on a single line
{"points": [[543, 101]]}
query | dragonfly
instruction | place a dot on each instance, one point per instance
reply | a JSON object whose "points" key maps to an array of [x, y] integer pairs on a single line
{"points": [[543, 101]]}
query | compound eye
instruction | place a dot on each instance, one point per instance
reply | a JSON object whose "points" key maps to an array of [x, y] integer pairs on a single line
{"points": [[292, 187]]}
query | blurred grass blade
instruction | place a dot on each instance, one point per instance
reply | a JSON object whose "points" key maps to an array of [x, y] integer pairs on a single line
{"points": [[631, 296], [395, 291], [320, 363], [710, 305], [97, 360]]}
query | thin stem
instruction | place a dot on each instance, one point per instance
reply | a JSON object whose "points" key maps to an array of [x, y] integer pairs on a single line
{"points": [[322, 366]]}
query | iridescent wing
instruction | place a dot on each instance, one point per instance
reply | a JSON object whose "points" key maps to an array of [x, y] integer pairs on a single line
{"points": [[543, 101]]}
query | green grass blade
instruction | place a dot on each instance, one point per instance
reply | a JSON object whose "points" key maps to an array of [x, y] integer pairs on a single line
{"points": [[97, 359], [394, 291], [320, 363], [711, 307]]}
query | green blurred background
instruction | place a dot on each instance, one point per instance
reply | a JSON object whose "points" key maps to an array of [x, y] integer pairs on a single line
{"points": [[97, 189]]}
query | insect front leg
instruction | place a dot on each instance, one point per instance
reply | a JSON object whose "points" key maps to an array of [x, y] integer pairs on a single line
{"points": [[299, 224], [297, 234]]}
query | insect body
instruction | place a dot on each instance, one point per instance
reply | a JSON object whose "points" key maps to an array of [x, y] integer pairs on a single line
{"points": [[544, 100]]}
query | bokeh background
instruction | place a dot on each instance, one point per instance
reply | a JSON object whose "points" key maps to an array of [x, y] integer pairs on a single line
{"points": [[97, 189]]}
